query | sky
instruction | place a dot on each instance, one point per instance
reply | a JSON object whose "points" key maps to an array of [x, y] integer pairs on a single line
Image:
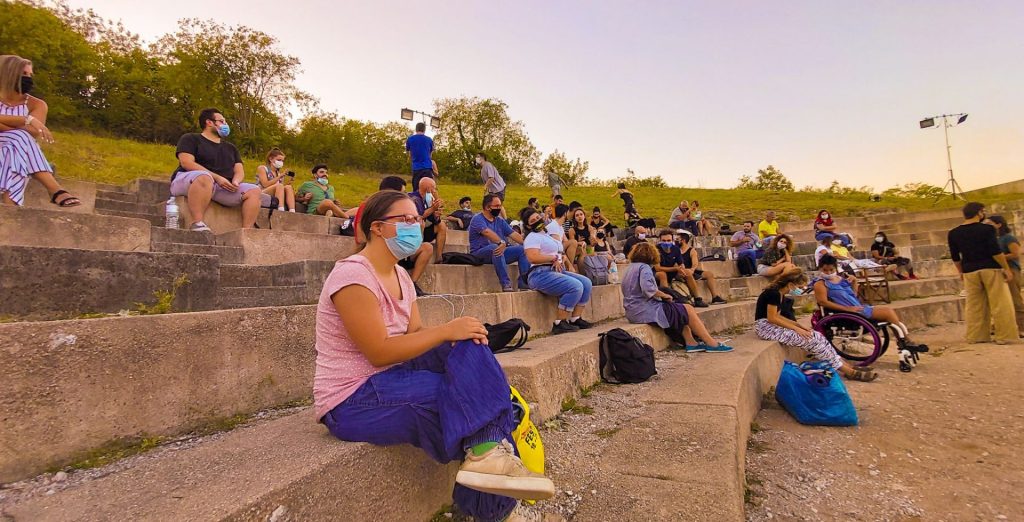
{"points": [[699, 93]]}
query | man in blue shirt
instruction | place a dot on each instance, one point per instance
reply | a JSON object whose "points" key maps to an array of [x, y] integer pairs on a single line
{"points": [[488, 242], [430, 208], [420, 147]]}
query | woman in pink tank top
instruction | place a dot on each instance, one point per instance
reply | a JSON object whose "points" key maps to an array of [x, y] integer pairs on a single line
{"points": [[384, 378]]}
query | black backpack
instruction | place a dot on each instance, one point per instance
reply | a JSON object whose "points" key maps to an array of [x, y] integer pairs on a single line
{"points": [[624, 358], [459, 258], [500, 335]]}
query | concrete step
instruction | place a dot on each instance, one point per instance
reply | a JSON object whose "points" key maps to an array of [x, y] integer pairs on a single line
{"points": [[177, 235], [127, 197], [259, 296], [226, 254], [38, 227], [156, 220], [128, 206], [290, 464]]}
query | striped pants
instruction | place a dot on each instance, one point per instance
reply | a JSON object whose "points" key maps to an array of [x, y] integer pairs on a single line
{"points": [[818, 346], [20, 157]]}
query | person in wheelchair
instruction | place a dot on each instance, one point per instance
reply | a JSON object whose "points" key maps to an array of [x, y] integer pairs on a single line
{"points": [[837, 292]]}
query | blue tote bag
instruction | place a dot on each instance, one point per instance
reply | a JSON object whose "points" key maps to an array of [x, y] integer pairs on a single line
{"points": [[813, 393]]}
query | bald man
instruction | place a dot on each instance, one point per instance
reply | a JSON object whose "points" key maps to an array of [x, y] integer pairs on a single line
{"points": [[639, 236], [431, 208]]}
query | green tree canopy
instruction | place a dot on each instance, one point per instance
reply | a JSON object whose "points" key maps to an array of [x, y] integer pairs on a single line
{"points": [[769, 179], [471, 125]]}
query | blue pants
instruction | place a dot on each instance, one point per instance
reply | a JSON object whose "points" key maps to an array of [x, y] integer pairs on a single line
{"points": [[445, 401], [688, 224], [845, 239], [513, 254], [571, 289]]}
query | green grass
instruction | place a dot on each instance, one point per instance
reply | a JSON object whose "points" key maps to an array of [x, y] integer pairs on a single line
{"points": [[118, 161], [571, 405]]}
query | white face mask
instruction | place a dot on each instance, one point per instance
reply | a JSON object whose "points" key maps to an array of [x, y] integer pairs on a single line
{"points": [[824, 216], [837, 242], [479, 161], [642, 235], [782, 245], [278, 164], [879, 239]]}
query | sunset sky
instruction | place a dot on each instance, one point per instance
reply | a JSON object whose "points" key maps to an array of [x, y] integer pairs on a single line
{"points": [[697, 92]]}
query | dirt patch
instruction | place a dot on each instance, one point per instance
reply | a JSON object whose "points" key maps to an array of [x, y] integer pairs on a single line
{"points": [[941, 443]]}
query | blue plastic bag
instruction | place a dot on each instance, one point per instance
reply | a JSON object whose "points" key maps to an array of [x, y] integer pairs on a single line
{"points": [[813, 393]]}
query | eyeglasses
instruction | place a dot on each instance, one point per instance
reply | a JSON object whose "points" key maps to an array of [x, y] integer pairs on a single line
{"points": [[408, 219]]}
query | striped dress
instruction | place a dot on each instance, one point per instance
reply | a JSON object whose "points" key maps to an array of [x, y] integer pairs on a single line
{"points": [[20, 156]]}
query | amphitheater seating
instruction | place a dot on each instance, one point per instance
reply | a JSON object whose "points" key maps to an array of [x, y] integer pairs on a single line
{"points": [[242, 342]]}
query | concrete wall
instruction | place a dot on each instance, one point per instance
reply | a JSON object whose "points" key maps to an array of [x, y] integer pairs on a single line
{"points": [[1012, 187], [37, 197], [271, 247], [61, 281], [60, 229]]}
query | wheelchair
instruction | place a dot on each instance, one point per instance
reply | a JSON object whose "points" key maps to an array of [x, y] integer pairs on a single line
{"points": [[862, 340]]}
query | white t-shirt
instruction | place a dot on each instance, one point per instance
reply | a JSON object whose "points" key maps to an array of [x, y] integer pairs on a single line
{"points": [[821, 251], [547, 245], [555, 230]]}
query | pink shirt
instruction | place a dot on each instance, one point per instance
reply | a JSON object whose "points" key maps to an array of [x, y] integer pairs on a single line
{"points": [[340, 367]]}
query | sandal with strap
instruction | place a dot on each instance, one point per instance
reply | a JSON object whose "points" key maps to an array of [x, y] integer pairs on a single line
{"points": [[863, 376], [70, 201]]}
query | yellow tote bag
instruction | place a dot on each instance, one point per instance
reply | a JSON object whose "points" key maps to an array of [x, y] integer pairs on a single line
{"points": [[527, 438]]}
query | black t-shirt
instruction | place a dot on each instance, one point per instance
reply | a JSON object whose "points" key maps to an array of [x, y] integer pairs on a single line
{"points": [[463, 216], [770, 296], [886, 249], [630, 243], [973, 245], [219, 158], [582, 234], [670, 258]]}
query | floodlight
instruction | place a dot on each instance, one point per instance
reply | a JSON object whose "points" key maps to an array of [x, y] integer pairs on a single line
{"points": [[407, 114], [962, 119], [930, 122], [435, 122], [951, 183]]}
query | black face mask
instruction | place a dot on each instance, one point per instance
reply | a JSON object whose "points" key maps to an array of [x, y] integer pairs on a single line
{"points": [[600, 235], [495, 212], [538, 226], [26, 84]]}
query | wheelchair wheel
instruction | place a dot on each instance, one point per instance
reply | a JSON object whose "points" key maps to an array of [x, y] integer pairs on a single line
{"points": [[854, 337]]}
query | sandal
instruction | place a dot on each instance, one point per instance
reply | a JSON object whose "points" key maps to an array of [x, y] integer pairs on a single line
{"points": [[69, 201], [863, 376]]}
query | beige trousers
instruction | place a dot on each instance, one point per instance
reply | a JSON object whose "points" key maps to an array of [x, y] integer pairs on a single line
{"points": [[988, 302], [1018, 302]]}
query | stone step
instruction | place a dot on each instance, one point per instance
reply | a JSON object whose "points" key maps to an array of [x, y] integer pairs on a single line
{"points": [[226, 254], [38, 227], [260, 296], [128, 206], [127, 197], [177, 235], [291, 465], [153, 219]]}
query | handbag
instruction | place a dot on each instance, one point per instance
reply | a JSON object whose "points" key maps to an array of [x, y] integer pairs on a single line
{"points": [[814, 393]]}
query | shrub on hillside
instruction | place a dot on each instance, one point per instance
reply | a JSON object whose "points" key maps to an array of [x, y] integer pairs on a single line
{"points": [[769, 178]]}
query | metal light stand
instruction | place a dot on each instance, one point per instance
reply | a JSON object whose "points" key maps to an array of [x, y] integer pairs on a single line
{"points": [[951, 184]]}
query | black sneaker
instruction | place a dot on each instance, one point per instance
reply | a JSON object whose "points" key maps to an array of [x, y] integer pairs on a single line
{"points": [[699, 303], [581, 323], [718, 300], [419, 291], [564, 327]]}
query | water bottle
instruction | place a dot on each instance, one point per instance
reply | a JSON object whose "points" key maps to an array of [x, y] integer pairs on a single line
{"points": [[729, 254], [613, 273], [171, 214]]}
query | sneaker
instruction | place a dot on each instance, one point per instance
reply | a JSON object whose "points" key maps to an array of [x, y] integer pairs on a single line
{"points": [[500, 472], [419, 291], [699, 303], [582, 324], [564, 327], [199, 226], [508, 289], [718, 300], [721, 348], [329, 213], [695, 348], [524, 513]]}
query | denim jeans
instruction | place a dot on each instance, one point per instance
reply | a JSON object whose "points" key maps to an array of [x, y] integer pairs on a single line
{"points": [[845, 239], [513, 253], [571, 289], [444, 401]]}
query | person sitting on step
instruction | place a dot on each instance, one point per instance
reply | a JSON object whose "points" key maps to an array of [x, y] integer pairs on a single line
{"points": [[431, 207], [778, 258], [549, 275], [703, 223], [838, 293], [768, 228], [682, 218], [275, 181], [489, 235], [670, 265], [459, 219], [318, 195], [384, 378], [581, 232], [748, 248], [210, 169], [774, 320], [823, 224], [639, 236], [646, 304], [22, 122], [824, 247], [600, 222], [691, 270], [884, 253], [556, 228]]}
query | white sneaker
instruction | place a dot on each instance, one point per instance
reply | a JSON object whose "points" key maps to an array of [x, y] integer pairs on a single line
{"points": [[199, 226], [524, 513], [500, 472], [329, 213]]}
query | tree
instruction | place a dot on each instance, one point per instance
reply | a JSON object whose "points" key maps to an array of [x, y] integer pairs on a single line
{"points": [[472, 125], [915, 190], [769, 179], [573, 173]]}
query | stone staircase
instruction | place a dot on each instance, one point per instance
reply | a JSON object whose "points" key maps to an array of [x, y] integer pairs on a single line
{"points": [[77, 385]]}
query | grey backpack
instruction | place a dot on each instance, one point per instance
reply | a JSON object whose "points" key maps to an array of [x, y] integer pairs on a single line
{"points": [[595, 268]]}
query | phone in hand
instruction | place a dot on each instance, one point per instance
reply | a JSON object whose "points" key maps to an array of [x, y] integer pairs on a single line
{"points": [[291, 174]]}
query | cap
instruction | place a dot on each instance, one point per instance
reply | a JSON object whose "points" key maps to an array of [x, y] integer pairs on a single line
{"points": [[515, 223], [684, 231]]}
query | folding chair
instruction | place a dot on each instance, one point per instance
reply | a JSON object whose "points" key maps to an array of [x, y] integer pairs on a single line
{"points": [[873, 284]]}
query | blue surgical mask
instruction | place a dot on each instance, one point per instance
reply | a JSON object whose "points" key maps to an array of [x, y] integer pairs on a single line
{"points": [[224, 130], [407, 240], [428, 199], [322, 181], [667, 245]]}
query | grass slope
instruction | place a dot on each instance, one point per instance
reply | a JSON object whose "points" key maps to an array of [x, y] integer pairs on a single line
{"points": [[119, 161]]}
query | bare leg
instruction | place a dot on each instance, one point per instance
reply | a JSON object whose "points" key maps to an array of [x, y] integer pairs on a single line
{"points": [[326, 205], [421, 260], [442, 235], [578, 311], [250, 207], [662, 278], [699, 330], [688, 336], [199, 194], [709, 278], [561, 315], [50, 183], [289, 196], [691, 283], [279, 194]]}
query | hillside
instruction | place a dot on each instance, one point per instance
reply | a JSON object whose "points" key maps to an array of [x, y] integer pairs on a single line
{"points": [[118, 161]]}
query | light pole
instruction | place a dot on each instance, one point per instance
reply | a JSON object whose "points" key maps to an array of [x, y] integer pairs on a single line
{"points": [[954, 188], [409, 114]]}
